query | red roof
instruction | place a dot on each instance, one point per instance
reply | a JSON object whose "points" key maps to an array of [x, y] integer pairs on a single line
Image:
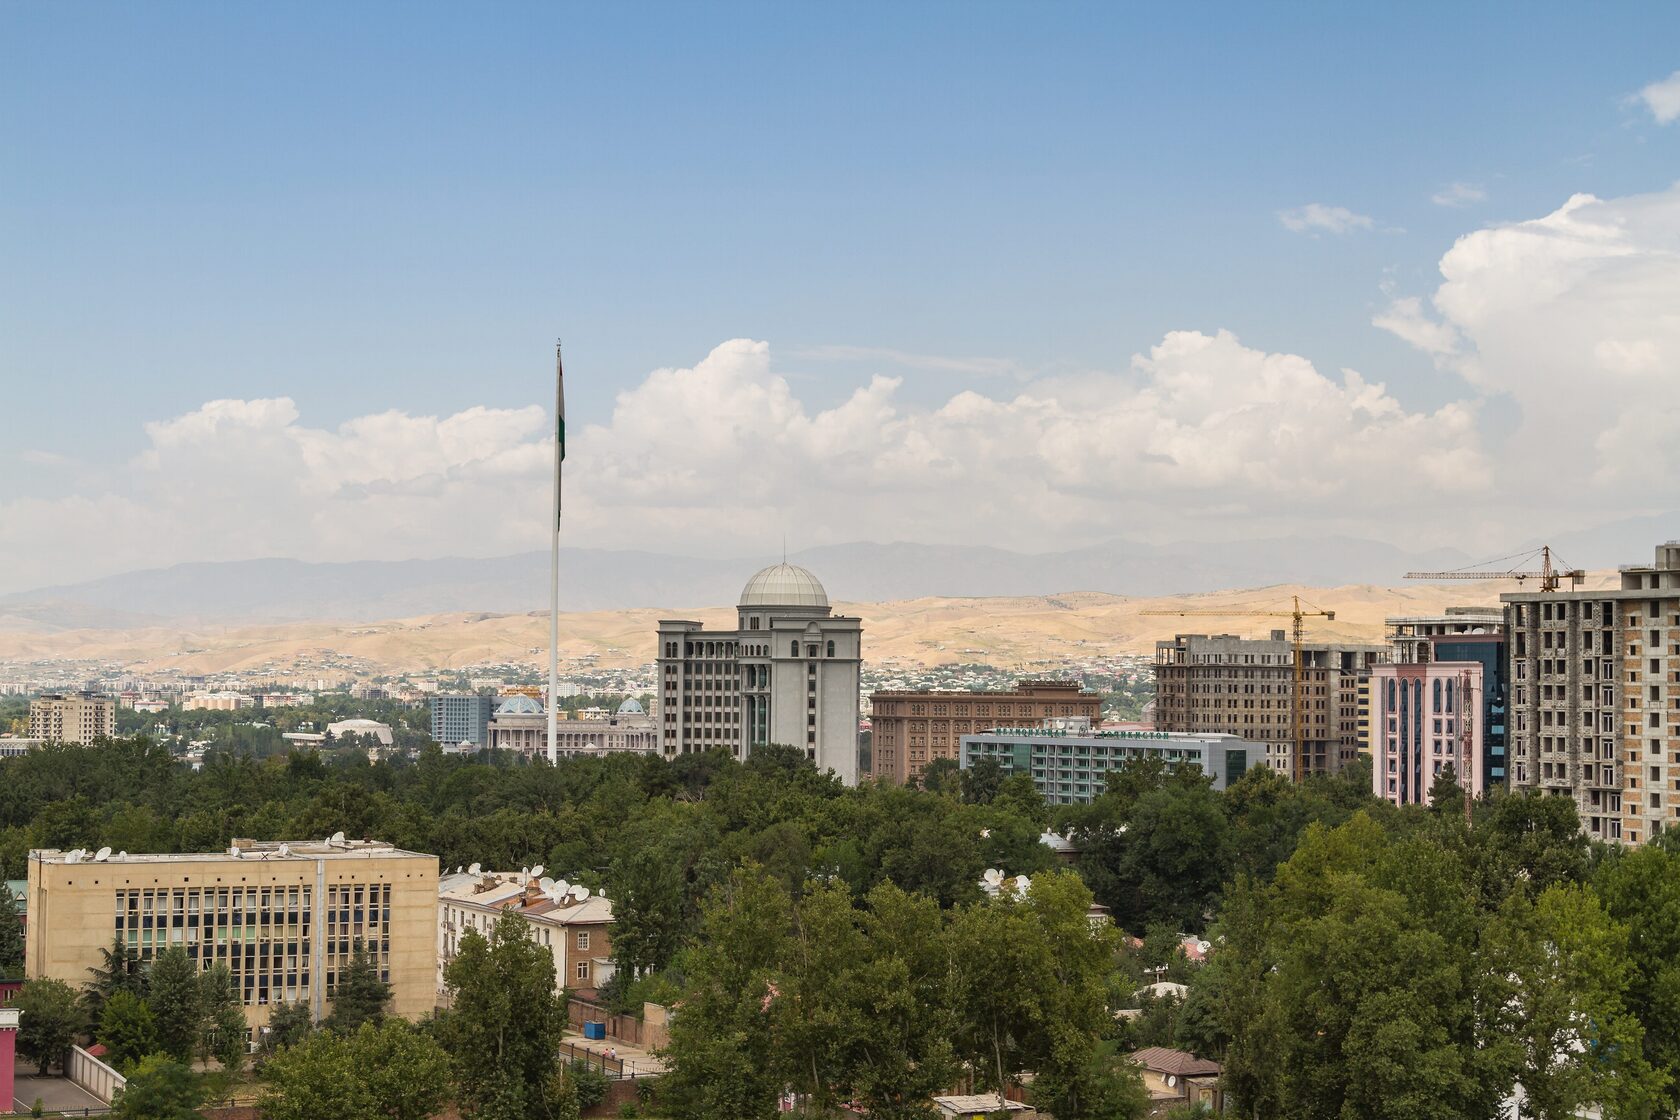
{"points": [[1181, 1063]]}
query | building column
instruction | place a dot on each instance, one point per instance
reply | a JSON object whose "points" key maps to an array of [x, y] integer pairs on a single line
{"points": [[8, 1053]]}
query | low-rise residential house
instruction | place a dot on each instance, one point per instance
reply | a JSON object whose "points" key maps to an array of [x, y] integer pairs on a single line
{"points": [[574, 924], [1178, 1077]]}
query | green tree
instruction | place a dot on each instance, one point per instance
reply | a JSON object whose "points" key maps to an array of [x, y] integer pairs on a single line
{"points": [[721, 1052], [1640, 888], [11, 936], [1031, 991], [361, 995], [288, 1025], [176, 1001], [127, 1030], [1567, 968], [505, 1023], [120, 970], [981, 781], [1110, 1086], [222, 1015], [1167, 858], [160, 1089], [1321, 1027], [391, 1071], [52, 1018]]}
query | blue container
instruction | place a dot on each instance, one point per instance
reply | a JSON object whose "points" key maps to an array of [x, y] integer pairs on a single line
{"points": [[594, 1030]]}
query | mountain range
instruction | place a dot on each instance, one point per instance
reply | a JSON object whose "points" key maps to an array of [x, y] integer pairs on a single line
{"points": [[280, 590], [285, 590]]}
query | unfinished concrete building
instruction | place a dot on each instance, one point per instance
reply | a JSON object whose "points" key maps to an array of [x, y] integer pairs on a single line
{"points": [[1595, 698]]}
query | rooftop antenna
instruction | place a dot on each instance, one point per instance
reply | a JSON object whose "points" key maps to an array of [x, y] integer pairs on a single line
{"points": [[102, 855], [554, 556]]}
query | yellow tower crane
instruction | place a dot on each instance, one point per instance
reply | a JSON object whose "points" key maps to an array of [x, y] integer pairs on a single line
{"points": [[1297, 617]]}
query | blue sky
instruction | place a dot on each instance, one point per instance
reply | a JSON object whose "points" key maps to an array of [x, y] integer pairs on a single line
{"points": [[378, 206]]}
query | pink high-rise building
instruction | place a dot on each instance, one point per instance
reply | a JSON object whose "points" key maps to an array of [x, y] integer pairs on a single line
{"points": [[1424, 718]]}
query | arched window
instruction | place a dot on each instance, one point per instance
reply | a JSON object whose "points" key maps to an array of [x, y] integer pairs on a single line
{"points": [[1449, 698], [1391, 700], [793, 649], [831, 647], [1437, 691]]}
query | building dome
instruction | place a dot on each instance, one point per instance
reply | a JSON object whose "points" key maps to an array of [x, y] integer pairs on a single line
{"points": [[631, 707], [519, 706], [784, 585]]}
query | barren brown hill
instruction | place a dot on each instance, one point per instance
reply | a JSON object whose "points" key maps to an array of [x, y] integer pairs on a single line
{"points": [[1027, 631]]}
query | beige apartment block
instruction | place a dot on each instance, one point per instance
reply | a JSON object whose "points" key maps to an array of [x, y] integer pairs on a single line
{"points": [[911, 729], [1246, 687], [284, 917], [1595, 698], [72, 717]]}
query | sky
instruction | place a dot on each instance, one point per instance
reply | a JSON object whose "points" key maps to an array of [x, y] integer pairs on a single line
{"points": [[285, 280]]}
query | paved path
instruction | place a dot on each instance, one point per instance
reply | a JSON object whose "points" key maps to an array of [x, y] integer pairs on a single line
{"points": [[58, 1094]]}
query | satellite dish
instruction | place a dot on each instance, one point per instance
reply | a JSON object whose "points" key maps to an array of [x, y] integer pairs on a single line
{"points": [[475, 869], [285, 849], [993, 877], [459, 869], [122, 855], [75, 856], [602, 895], [985, 833], [234, 851], [537, 870], [337, 838], [1171, 1081], [102, 855], [582, 892], [546, 884]]}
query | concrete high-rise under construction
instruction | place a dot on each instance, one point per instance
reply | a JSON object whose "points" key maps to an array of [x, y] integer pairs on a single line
{"points": [[1595, 698]]}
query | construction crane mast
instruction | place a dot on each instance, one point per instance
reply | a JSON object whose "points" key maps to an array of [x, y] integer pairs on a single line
{"points": [[1297, 617], [1549, 575]]}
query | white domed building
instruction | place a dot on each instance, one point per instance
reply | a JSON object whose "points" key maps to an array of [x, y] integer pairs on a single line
{"points": [[789, 674], [521, 724]]}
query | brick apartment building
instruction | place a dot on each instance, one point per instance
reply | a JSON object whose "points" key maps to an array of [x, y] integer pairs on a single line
{"points": [[911, 729]]}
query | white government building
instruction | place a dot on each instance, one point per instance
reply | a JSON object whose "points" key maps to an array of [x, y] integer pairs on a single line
{"points": [[788, 675], [521, 724]]}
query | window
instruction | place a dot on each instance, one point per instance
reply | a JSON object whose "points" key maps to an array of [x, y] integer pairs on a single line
{"points": [[831, 647], [793, 649], [582, 970], [583, 941]]}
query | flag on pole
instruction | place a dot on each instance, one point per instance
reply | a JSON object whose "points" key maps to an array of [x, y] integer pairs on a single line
{"points": [[559, 429]]}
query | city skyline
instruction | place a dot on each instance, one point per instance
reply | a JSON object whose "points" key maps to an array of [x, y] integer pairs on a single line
{"points": [[954, 274]]}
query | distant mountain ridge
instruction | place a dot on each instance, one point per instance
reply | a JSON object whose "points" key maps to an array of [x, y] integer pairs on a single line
{"points": [[277, 590]]}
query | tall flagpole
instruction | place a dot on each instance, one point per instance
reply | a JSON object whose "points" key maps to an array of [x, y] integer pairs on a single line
{"points": [[554, 553]]}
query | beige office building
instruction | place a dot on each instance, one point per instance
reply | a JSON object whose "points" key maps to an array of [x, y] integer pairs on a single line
{"points": [[1595, 698], [284, 918], [1246, 687], [911, 729], [72, 717]]}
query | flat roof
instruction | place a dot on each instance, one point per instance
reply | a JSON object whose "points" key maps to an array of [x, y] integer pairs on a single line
{"points": [[264, 851]]}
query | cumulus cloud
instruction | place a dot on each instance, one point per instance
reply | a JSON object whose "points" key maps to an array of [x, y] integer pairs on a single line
{"points": [[1662, 98], [725, 455], [1575, 316], [1315, 218], [1458, 194]]}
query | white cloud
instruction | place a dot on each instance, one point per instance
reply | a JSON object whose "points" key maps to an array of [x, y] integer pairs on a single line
{"points": [[1574, 316], [1662, 98], [1315, 218], [1459, 194], [724, 455]]}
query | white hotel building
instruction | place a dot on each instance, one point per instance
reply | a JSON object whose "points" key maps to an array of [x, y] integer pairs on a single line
{"points": [[789, 674]]}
